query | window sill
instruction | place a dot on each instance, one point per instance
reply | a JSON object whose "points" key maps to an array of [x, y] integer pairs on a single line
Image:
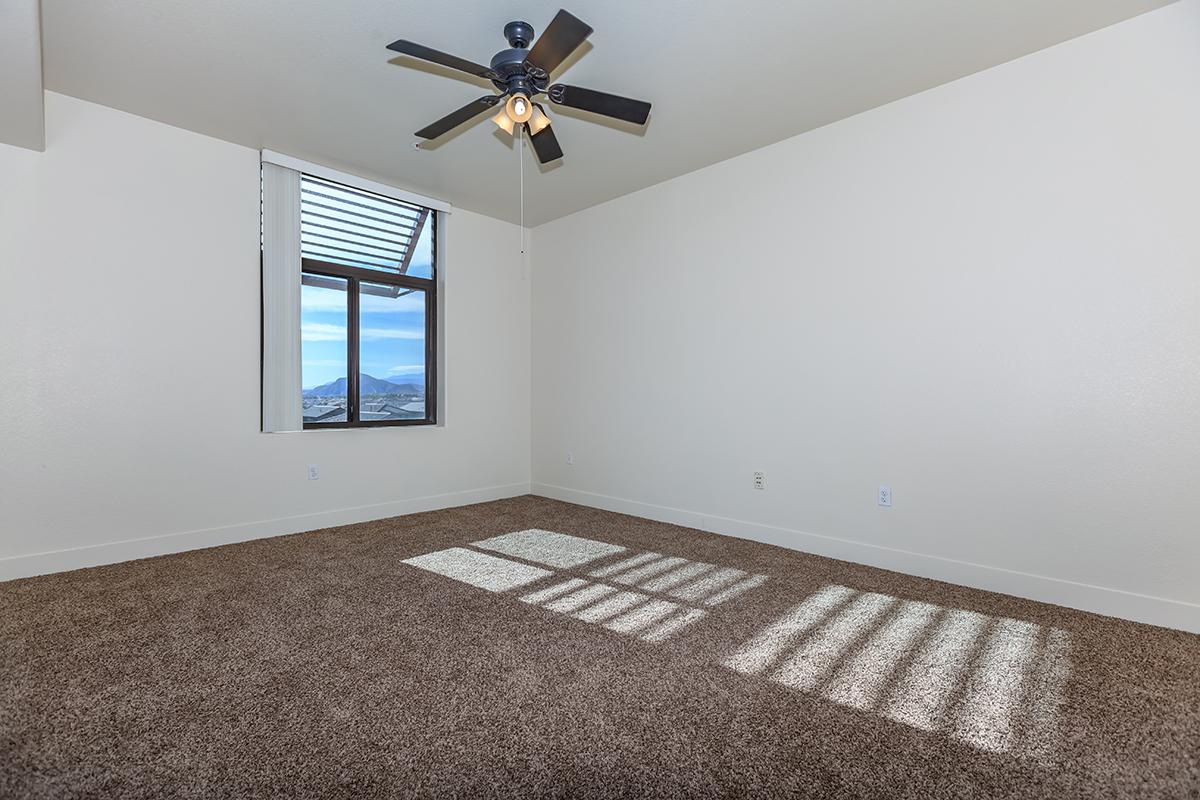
{"points": [[345, 428]]}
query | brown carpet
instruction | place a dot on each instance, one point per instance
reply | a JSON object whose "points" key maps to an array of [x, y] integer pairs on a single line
{"points": [[322, 665]]}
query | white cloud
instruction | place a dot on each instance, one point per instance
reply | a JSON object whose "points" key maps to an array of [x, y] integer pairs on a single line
{"points": [[407, 369], [367, 334], [322, 332], [328, 332], [321, 299]]}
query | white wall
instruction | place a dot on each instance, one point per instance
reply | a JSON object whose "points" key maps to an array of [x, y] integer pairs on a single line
{"points": [[129, 359], [22, 123], [986, 296]]}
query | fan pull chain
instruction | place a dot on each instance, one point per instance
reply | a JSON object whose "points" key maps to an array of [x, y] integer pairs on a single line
{"points": [[521, 169]]}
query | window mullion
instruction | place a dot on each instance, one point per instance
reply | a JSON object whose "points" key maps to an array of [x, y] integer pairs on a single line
{"points": [[352, 354]]}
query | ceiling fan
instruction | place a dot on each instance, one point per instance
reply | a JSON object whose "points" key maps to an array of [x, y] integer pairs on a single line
{"points": [[521, 74]]}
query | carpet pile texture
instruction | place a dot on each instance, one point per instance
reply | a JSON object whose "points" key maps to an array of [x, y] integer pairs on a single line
{"points": [[529, 648]]}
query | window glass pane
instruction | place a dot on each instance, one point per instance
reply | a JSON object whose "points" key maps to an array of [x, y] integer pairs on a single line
{"points": [[392, 352], [421, 263], [323, 311], [343, 225]]}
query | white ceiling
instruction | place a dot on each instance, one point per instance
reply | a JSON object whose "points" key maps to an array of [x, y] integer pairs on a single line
{"points": [[312, 78]]}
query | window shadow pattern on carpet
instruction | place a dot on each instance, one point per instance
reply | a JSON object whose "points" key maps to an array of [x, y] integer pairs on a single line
{"points": [[994, 683]]}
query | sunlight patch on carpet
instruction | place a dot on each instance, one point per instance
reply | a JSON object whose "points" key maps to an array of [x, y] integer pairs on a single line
{"points": [[863, 677], [580, 599], [997, 685], [739, 588], [628, 596], [761, 652], [676, 622], [643, 616], [815, 658], [931, 679], [479, 569], [610, 607], [991, 682], [676, 576], [551, 592], [624, 564], [708, 584], [559, 550], [639, 574]]}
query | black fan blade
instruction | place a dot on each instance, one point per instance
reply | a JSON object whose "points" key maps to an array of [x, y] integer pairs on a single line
{"points": [[610, 105], [455, 118], [564, 33], [545, 144], [445, 59]]}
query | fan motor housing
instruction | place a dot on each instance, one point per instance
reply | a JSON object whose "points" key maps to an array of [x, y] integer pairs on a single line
{"points": [[510, 64]]}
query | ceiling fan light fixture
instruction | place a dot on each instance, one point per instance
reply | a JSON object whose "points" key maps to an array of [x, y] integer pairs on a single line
{"points": [[521, 73], [504, 122], [519, 108], [538, 121]]}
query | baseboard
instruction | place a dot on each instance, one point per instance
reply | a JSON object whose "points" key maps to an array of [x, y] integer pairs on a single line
{"points": [[25, 566], [1085, 597]]}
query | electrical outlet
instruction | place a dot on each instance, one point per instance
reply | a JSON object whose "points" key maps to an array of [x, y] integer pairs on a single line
{"points": [[760, 482], [313, 472], [570, 458], [885, 496]]}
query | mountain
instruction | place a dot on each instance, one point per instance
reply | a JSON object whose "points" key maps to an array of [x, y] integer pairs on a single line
{"points": [[418, 378], [369, 385]]}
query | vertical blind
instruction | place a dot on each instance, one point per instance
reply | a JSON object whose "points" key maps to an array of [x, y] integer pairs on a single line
{"points": [[281, 408]]}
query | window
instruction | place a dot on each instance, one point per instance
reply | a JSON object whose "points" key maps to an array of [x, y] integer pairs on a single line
{"points": [[368, 302]]}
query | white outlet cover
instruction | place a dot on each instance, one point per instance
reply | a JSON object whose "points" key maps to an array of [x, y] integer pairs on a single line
{"points": [[314, 473], [885, 496]]}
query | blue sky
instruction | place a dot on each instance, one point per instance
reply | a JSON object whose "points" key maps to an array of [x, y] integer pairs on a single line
{"points": [[392, 336]]}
